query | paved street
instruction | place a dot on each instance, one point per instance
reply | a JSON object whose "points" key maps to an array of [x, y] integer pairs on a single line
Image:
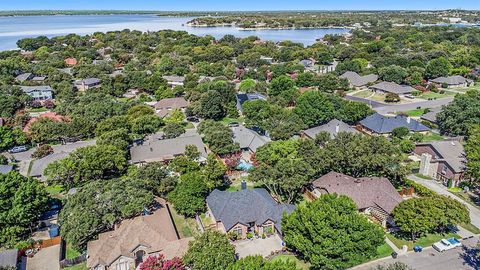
{"points": [[461, 258], [440, 189], [383, 108]]}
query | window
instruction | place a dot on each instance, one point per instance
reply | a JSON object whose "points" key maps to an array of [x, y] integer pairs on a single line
{"points": [[122, 265], [238, 230]]}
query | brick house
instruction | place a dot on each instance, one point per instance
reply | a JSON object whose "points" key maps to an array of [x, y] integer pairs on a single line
{"points": [[246, 211]]}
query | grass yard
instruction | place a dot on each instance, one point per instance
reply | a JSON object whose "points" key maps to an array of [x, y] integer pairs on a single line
{"points": [[424, 241], [186, 227], [228, 120], [383, 251], [470, 227], [415, 113], [37, 110], [433, 95], [71, 253], [286, 258], [363, 94], [471, 199], [423, 176], [81, 266], [236, 185], [432, 136], [54, 191]]}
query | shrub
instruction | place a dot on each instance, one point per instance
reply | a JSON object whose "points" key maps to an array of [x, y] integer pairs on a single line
{"points": [[42, 151], [391, 97], [419, 189]]}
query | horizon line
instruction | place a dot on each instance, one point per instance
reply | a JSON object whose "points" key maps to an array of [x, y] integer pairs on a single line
{"points": [[266, 10]]}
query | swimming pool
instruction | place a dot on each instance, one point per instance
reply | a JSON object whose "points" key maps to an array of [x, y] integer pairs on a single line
{"points": [[244, 165]]}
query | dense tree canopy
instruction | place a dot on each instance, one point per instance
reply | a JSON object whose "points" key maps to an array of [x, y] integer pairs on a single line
{"points": [[210, 251], [463, 111], [330, 233]]}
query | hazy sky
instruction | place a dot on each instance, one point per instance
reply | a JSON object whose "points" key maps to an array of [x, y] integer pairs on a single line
{"points": [[197, 5]]}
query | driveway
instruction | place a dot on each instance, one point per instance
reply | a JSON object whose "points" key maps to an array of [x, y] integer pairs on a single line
{"points": [[461, 258], [440, 189], [45, 259], [263, 247]]}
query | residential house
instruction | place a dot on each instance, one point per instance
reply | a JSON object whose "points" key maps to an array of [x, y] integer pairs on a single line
{"points": [[61, 151], [375, 196], [442, 160], [24, 77], [4, 169], [71, 61], [268, 60], [307, 63], [8, 258], [333, 128], [357, 81], [131, 93], [248, 139], [89, 83], [431, 116], [50, 115], [452, 81], [377, 124], [134, 240], [246, 211], [393, 88], [167, 105], [174, 81], [38, 93], [242, 98], [157, 149]]}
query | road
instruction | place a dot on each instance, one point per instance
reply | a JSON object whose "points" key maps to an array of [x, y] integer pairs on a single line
{"points": [[461, 258], [440, 189], [383, 108]]}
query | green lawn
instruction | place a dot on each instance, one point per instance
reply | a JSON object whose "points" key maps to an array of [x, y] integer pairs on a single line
{"points": [[473, 200], [186, 227], [81, 266], [424, 241], [35, 110], [71, 253], [383, 251], [300, 264], [470, 227], [363, 94], [432, 95], [432, 136], [423, 176], [54, 191], [228, 120], [415, 113]]}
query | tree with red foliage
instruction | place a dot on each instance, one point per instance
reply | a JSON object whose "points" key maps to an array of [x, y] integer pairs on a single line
{"points": [[159, 263]]}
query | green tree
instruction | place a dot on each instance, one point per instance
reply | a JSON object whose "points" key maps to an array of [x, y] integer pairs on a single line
{"points": [[188, 197], [315, 108], [247, 86], [176, 117], [283, 86], [214, 171], [400, 132], [156, 177], [173, 130], [184, 164], [331, 234], [210, 251], [438, 67], [258, 263], [472, 151], [456, 117], [393, 73], [22, 200], [97, 206], [87, 164], [146, 124], [118, 138], [218, 137], [6, 138]]}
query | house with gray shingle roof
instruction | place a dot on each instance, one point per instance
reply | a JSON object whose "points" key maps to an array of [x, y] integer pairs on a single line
{"points": [[9, 258], [24, 77], [39, 93], [375, 196], [244, 97], [358, 81], [333, 128], [442, 160], [431, 116], [452, 81], [4, 169], [88, 83], [248, 139], [247, 210], [174, 81], [383, 125], [391, 87]]}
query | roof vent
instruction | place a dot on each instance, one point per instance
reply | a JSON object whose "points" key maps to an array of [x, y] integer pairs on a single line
{"points": [[453, 143], [409, 119]]}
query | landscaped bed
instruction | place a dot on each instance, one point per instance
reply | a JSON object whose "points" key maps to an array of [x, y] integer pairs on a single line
{"points": [[300, 264]]}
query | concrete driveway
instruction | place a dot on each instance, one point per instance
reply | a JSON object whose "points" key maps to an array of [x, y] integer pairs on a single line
{"points": [[461, 258], [45, 259], [263, 247], [440, 189]]}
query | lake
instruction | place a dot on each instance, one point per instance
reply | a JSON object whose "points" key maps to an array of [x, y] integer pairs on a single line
{"points": [[15, 28]]}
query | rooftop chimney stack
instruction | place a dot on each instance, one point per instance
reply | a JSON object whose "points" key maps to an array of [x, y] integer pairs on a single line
{"points": [[409, 119]]}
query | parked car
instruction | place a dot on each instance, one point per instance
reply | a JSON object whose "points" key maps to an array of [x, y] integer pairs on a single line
{"points": [[193, 119], [446, 244], [18, 149], [233, 124]]}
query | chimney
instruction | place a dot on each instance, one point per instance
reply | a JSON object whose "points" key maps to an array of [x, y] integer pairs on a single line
{"points": [[337, 129], [244, 185], [409, 119]]}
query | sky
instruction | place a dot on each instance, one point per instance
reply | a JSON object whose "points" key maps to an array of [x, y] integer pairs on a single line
{"points": [[227, 5]]}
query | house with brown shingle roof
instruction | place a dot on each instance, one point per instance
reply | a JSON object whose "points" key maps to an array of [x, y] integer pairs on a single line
{"points": [[135, 239], [167, 105], [375, 196]]}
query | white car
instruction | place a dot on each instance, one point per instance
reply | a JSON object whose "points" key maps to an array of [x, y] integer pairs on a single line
{"points": [[446, 244]]}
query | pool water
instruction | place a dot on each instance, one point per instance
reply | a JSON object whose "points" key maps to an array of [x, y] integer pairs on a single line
{"points": [[244, 165]]}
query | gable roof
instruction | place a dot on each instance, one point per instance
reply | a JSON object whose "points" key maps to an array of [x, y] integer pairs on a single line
{"points": [[365, 192], [248, 138], [8, 258], [391, 87], [331, 128], [451, 152], [356, 80], [155, 149], [178, 79], [88, 81], [451, 80], [242, 98], [171, 103], [24, 77], [42, 88], [431, 116], [155, 232], [4, 169], [245, 206], [383, 124]]}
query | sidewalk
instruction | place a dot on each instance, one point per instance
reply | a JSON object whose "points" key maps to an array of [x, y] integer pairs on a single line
{"points": [[442, 190]]}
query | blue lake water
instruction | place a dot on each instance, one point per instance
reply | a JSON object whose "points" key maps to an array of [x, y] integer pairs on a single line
{"points": [[15, 28]]}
